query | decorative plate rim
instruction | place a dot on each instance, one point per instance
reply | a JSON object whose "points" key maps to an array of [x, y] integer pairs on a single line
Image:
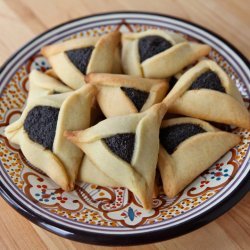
{"points": [[145, 237]]}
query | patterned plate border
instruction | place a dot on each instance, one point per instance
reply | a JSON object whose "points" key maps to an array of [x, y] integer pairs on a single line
{"points": [[228, 200]]}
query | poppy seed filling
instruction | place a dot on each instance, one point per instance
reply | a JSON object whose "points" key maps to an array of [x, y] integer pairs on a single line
{"points": [[80, 57], [122, 145], [172, 136], [40, 125], [138, 97], [152, 45], [208, 80]]}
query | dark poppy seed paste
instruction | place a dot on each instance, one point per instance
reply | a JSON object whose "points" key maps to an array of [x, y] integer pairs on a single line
{"points": [[138, 97], [122, 145], [80, 57], [152, 45], [40, 125], [208, 80], [172, 136]]}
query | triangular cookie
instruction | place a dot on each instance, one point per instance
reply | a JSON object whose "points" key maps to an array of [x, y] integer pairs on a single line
{"points": [[188, 147], [125, 148], [39, 132], [158, 53], [211, 95], [123, 94], [74, 58]]}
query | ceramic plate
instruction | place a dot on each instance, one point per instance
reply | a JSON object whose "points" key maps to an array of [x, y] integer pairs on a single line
{"points": [[109, 216]]}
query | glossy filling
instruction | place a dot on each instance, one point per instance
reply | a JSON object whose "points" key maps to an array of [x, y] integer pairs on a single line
{"points": [[40, 125], [172, 136], [208, 80], [80, 57], [138, 97], [122, 145], [152, 45]]}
